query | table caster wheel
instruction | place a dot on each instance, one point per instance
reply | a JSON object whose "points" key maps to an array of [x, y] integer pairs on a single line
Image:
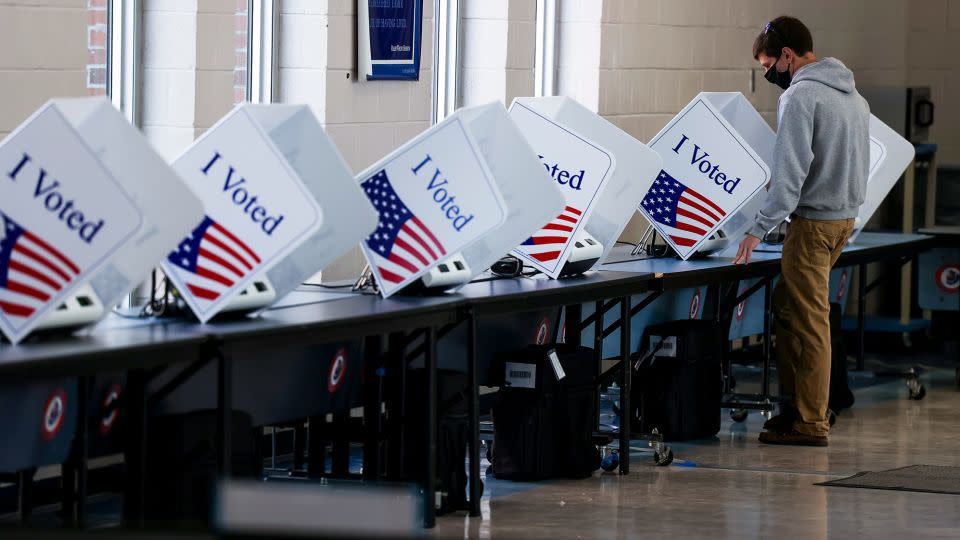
{"points": [[610, 462], [663, 458], [738, 415], [917, 391], [831, 416]]}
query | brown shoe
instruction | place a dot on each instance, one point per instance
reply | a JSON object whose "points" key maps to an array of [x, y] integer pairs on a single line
{"points": [[793, 437], [782, 422]]}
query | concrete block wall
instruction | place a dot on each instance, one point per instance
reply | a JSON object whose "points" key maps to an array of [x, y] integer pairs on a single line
{"points": [[366, 120], [194, 56], [932, 44], [579, 50], [45, 44], [656, 55], [498, 40], [169, 74]]}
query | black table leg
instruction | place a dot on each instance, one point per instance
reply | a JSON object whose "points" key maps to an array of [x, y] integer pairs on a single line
{"points": [[340, 463], [224, 413], [68, 491], [135, 451], [861, 309], [24, 500], [598, 352], [767, 345], [83, 422], [317, 447], [473, 389], [373, 397], [626, 375], [430, 482], [394, 396]]}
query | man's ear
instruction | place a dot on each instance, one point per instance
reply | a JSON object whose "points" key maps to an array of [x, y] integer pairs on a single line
{"points": [[788, 54]]}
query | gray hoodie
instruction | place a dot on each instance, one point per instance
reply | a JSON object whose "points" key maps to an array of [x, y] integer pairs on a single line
{"points": [[822, 154]]}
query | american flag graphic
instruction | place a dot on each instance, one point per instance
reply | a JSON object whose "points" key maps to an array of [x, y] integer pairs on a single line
{"points": [[688, 215], [402, 244], [215, 258], [31, 271], [547, 243]]}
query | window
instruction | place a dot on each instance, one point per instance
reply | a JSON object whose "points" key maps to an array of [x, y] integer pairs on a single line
{"points": [[262, 49], [446, 58], [98, 69], [545, 63]]}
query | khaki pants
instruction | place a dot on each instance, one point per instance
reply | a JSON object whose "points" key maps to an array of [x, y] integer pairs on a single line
{"points": [[802, 317]]}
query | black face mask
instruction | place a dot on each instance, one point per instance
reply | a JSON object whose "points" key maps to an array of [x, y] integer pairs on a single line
{"points": [[779, 78]]}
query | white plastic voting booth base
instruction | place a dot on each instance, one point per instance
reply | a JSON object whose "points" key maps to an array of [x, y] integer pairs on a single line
{"points": [[467, 190], [280, 203], [602, 172], [710, 172], [586, 251], [84, 199], [83, 307]]}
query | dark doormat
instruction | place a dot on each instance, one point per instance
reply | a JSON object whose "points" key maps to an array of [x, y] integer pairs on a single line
{"points": [[923, 478]]}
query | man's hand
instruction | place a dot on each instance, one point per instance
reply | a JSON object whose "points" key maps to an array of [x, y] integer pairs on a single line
{"points": [[749, 244]]}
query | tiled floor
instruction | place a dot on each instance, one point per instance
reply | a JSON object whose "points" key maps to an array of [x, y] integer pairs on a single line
{"points": [[737, 488]]}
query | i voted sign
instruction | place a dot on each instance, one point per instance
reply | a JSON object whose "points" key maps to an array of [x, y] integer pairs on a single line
{"points": [[434, 196], [709, 173], [580, 168], [62, 217], [257, 211]]}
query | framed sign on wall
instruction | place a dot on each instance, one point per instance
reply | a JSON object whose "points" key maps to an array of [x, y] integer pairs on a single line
{"points": [[388, 34]]}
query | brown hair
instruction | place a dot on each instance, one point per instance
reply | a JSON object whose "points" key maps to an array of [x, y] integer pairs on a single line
{"points": [[784, 31]]}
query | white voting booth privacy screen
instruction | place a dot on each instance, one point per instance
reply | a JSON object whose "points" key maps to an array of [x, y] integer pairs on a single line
{"points": [[435, 196], [84, 201], [257, 209], [581, 169], [709, 173], [758, 134], [347, 215], [531, 196], [890, 155], [601, 170]]}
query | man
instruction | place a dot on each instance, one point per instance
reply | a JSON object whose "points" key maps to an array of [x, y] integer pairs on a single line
{"points": [[819, 176]]}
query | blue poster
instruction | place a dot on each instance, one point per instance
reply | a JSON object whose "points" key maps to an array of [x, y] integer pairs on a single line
{"points": [[389, 33]]}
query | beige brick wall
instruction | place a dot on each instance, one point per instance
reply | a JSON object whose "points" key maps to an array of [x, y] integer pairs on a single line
{"points": [[44, 44]]}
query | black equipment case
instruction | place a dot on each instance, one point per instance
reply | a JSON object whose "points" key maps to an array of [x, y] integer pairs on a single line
{"points": [[545, 414], [677, 380]]}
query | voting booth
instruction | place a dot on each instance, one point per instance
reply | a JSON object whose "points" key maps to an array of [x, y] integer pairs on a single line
{"points": [[454, 200], [601, 171], [279, 204], [710, 172], [87, 210], [890, 155]]}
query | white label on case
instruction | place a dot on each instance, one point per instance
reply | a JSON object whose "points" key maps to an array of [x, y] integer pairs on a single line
{"points": [[520, 375]]}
